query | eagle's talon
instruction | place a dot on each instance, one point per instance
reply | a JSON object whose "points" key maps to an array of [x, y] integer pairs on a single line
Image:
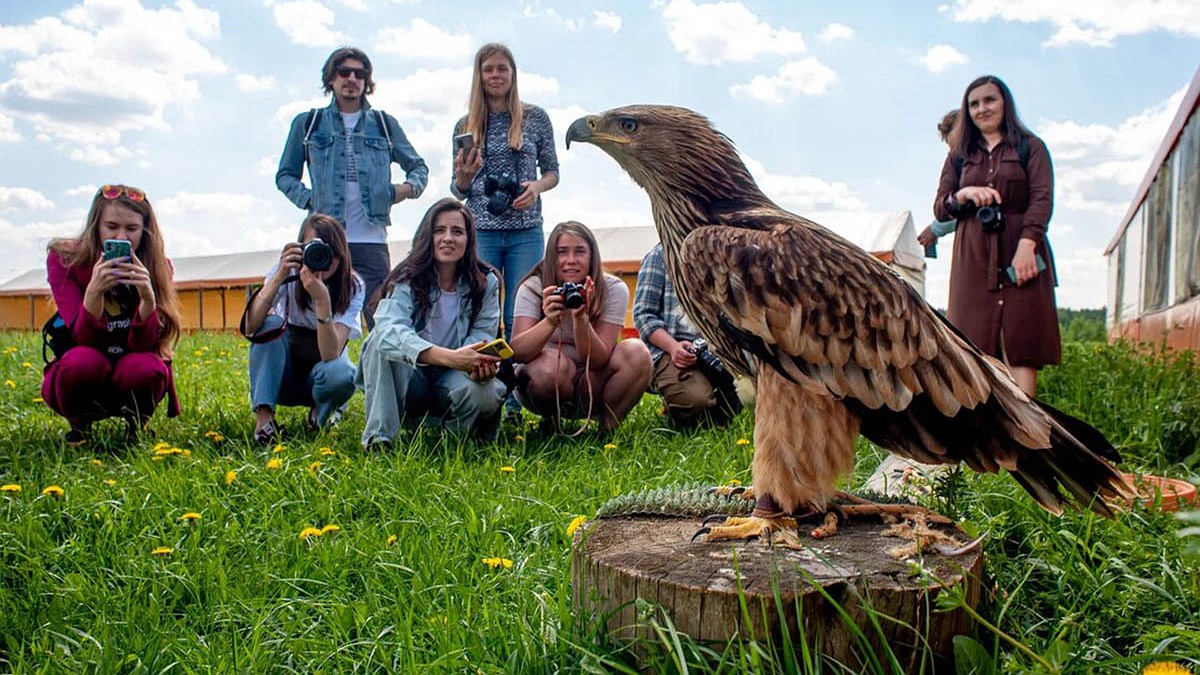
{"points": [[714, 518], [701, 532]]}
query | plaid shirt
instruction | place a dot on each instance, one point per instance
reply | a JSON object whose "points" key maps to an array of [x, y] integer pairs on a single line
{"points": [[655, 305]]}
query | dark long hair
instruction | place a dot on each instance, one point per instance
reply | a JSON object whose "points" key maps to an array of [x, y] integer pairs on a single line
{"points": [[328, 71], [419, 269], [547, 269], [966, 136], [84, 249], [342, 284]]}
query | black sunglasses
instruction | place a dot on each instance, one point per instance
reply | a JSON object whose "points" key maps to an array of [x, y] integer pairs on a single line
{"points": [[344, 71]]}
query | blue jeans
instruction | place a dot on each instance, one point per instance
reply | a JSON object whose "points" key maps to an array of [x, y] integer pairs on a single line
{"points": [[396, 392], [514, 253], [274, 381], [372, 263]]}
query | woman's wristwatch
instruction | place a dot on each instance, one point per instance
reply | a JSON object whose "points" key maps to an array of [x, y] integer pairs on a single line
{"points": [[325, 319]]}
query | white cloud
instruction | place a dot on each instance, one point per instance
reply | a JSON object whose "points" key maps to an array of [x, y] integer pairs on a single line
{"points": [[8, 130], [1098, 167], [606, 20], [1090, 22], [807, 76], [307, 23], [95, 155], [834, 32], [721, 32], [938, 58], [353, 4], [252, 83], [421, 39], [18, 199], [105, 67], [802, 194], [81, 191]]}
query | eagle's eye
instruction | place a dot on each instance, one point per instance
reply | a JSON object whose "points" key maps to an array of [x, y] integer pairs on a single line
{"points": [[628, 125]]}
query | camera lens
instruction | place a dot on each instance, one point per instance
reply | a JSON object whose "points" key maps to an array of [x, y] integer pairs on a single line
{"points": [[316, 255], [572, 295], [990, 219]]}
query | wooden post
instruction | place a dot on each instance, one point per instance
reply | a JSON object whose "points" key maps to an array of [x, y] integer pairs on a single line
{"points": [[716, 591]]}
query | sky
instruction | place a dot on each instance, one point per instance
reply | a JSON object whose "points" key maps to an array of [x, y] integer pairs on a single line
{"points": [[833, 105]]}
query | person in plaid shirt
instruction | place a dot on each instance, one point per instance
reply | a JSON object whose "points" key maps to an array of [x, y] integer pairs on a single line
{"points": [[688, 396]]}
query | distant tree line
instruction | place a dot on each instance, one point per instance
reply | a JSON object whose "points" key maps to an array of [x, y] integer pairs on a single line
{"points": [[1082, 325]]}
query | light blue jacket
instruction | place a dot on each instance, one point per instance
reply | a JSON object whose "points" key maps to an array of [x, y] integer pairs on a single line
{"points": [[327, 164], [395, 336]]}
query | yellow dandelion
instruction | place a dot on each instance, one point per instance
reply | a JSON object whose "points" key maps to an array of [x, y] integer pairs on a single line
{"points": [[309, 532], [110, 482], [733, 482], [11, 384], [275, 463], [391, 540], [53, 491], [610, 446], [230, 476], [157, 458], [214, 436], [315, 466], [198, 352], [38, 399], [743, 441], [189, 517], [1165, 668], [162, 551], [278, 448], [498, 562], [519, 437], [26, 364], [508, 469], [10, 350], [97, 462], [574, 525], [327, 452], [331, 528], [161, 444], [11, 488]]}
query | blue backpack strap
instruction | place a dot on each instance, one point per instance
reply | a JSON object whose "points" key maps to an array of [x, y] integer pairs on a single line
{"points": [[383, 124]]}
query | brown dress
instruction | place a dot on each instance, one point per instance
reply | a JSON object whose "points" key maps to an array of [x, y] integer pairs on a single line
{"points": [[984, 303]]}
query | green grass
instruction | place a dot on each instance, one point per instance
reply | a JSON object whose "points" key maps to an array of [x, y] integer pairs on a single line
{"points": [[81, 591]]}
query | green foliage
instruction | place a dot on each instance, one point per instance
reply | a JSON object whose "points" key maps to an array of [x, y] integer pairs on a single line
{"points": [[81, 590], [1082, 325]]}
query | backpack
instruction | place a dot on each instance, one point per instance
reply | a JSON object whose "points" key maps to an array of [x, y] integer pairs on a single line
{"points": [[312, 123], [56, 338], [1022, 154]]}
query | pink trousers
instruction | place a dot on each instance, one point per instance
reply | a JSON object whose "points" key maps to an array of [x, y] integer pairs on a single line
{"points": [[84, 385]]}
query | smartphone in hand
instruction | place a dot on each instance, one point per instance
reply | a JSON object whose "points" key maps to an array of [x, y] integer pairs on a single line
{"points": [[464, 142], [117, 248], [1041, 267], [498, 348]]}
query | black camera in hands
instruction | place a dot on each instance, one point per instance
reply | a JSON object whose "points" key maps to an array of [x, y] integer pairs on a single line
{"points": [[990, 218], [316, 255], [572, 294], [501, 191], [722, 380]]}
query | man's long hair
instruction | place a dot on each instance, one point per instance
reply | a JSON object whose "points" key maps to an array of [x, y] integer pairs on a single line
{"points": [[342, 284], [547, 270], [84, 249], [966, 136], [329, 70], [419, 269], [477, 109]]}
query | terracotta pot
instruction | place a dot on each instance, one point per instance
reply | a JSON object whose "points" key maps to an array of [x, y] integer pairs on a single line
{"points": [[1174, 493]]}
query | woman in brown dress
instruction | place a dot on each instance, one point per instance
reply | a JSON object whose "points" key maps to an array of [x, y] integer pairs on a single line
{"points": [[998, 182]]}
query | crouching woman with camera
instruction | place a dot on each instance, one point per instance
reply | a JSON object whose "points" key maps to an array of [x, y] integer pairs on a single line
{"points": [[113, 291], [565, 330], [299, 322], [422, 361], [695, 386]]}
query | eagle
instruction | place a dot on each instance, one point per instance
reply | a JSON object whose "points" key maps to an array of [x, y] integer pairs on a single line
{"points": [[838, 343]]}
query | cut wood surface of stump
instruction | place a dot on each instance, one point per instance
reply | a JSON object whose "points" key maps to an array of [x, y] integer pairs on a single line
{"points": [[619, 560]]}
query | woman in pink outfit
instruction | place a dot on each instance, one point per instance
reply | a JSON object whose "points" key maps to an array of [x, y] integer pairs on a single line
{"points": [[123, 314]]}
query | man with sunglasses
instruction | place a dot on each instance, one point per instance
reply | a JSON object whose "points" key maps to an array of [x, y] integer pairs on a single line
{"points": [[349, 149]]}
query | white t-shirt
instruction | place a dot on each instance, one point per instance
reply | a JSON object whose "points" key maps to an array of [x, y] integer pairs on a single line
{"points": [[528, 303], [307, 318], [358, 227], [441, 326]]}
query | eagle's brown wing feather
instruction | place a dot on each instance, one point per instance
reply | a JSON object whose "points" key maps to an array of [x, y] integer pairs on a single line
{"points": [[815, 306]]}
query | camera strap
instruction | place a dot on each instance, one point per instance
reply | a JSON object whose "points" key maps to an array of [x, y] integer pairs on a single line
{"points": [[273, 333]]}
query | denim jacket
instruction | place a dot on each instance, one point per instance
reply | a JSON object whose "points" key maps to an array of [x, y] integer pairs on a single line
{"points": [[396, 338], [327, 164]]}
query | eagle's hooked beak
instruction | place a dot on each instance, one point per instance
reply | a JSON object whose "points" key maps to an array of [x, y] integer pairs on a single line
{"points": [[581, 130]]}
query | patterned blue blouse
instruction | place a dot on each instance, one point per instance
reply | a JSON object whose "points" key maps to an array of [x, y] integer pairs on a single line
{"points": [[537, 153]]}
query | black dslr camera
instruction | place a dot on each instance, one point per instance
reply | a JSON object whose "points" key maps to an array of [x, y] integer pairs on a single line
{"points": [[572, 294], [316, 255], [990, 218], [501, 191], [722, 381]]}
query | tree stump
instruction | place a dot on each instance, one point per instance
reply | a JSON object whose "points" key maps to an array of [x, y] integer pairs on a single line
{"points": [[715, 591]]}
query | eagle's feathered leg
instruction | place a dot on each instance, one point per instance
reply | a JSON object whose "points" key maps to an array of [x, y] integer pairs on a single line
{"points": [[803, 442]]}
